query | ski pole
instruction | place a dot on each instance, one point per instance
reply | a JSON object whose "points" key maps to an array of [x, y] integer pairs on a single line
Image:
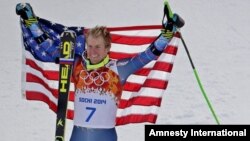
{"points": [[199, 82], [179, 22]]}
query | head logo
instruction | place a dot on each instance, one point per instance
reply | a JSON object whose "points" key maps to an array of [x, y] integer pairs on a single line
{"points": [[59, 138]]}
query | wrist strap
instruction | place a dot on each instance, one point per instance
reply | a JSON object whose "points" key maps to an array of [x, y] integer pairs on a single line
{"points": [[42, 38], [154, 50]]}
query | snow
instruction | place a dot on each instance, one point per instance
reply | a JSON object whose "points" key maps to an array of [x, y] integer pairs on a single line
{"points": [[216, 33]]}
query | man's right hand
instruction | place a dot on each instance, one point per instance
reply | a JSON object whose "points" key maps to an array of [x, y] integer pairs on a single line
{"points": [[26, 13], [173, 21]]}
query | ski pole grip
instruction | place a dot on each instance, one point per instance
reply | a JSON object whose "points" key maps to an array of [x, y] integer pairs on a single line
{"points": [[178, 21], [173, 17]]}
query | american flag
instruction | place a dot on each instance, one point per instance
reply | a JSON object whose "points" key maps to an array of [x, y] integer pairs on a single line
{"points": [[143, 91]]}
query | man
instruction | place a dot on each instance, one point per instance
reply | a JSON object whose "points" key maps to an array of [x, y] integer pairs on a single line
{"points": [[98, 79]]}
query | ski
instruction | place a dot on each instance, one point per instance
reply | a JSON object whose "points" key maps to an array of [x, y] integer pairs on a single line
{"points": [[65, 70]]}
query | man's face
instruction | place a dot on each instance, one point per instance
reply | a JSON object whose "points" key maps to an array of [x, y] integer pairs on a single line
{"points": [[96, 49]]}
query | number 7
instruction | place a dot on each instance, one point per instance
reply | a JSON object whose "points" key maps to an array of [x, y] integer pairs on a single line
{"points": [[92, 109]]}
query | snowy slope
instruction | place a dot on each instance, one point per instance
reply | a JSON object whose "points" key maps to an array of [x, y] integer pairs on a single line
{"points": [[216, 32]]}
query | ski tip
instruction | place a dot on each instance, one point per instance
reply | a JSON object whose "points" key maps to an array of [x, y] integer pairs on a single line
{"points": [[165, 2]]}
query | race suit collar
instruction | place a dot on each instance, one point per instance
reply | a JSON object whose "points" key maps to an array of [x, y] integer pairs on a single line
{"points": [[90, 66]]}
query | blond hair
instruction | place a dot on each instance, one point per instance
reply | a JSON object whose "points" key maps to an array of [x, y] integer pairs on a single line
{"points": [[100, 31]]}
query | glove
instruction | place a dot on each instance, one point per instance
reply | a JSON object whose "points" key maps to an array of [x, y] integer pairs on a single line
{"points": [[170, 27], [168, 31], [26, 13]]}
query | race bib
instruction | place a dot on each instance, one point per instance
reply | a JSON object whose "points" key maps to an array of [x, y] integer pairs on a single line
{"points": [[94, 110]]}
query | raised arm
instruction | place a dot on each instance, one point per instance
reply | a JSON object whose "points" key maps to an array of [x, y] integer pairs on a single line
{"points": [[129, 66], [42, 37]]}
